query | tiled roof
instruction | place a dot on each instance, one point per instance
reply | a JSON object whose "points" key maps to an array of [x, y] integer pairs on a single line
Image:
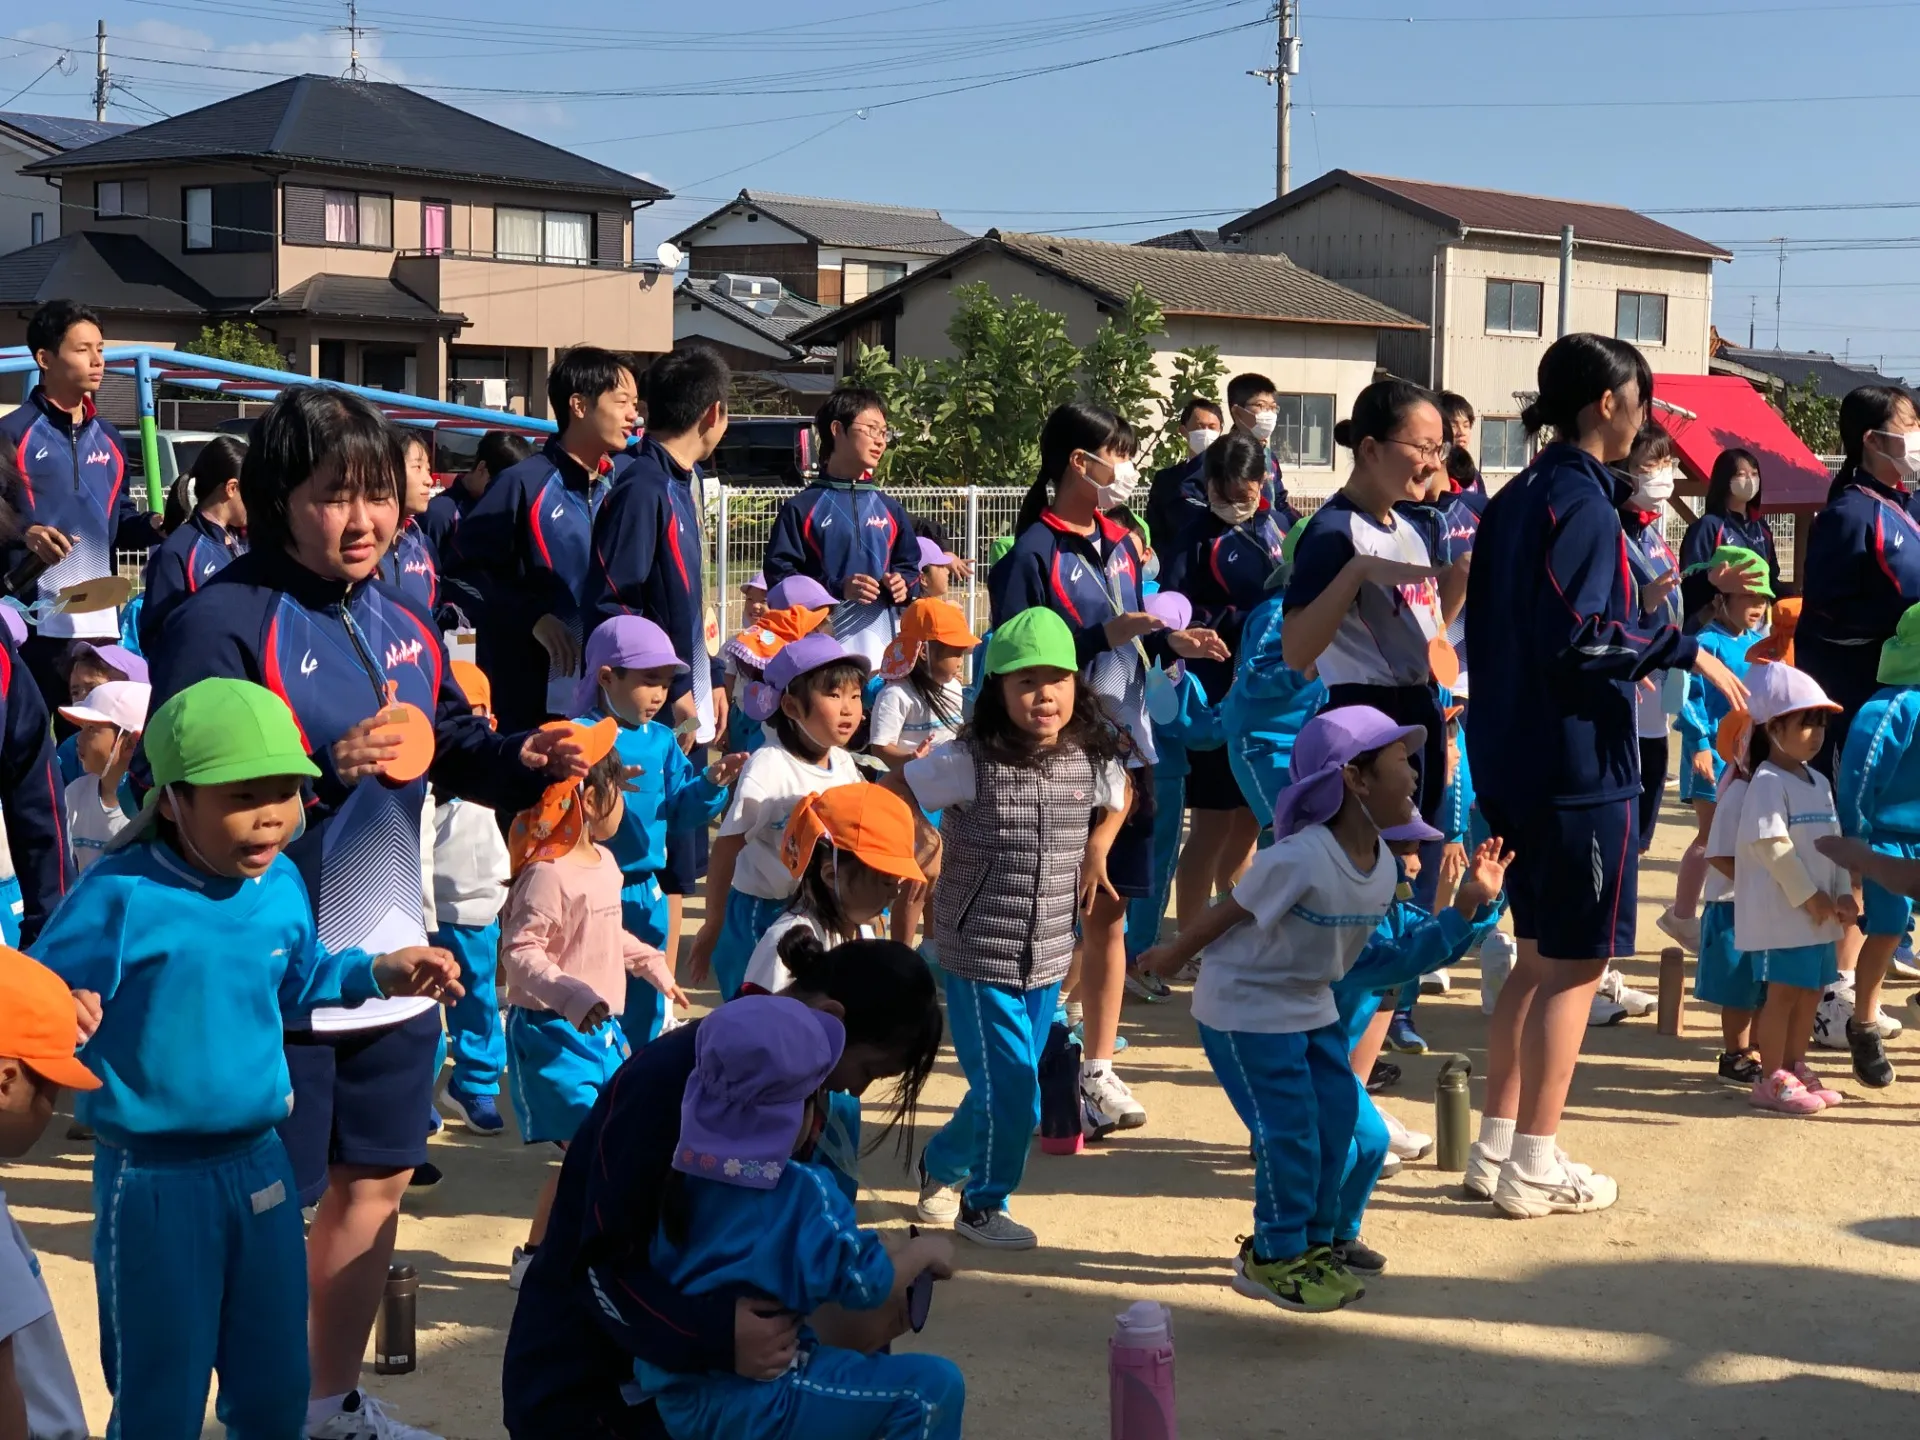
{"points": [[791, 313], [1186, 240], [1184, 282], [110, 272], [352, 297], [1831, 376], [355, 125], [59, 132], [1496, 211], [852, 223]]}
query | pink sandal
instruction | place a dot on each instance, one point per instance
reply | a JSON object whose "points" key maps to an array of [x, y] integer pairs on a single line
{"points": [[1803, 1072], [1783, 1093]]}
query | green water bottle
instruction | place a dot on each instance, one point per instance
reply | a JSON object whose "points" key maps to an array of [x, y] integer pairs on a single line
{"points": [[1452, 1114]]}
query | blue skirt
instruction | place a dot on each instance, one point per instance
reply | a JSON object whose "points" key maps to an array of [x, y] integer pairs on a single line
{"points": [[556, 1073], [1725, 975]]}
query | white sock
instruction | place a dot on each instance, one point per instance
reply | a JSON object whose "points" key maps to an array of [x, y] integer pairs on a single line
{"points": [[1091, 1068], [1496, 1137], [1534, 1155], [324, 1409]]}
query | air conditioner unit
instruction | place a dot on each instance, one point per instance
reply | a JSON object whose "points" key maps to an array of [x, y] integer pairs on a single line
{"points": [[749, 288]]}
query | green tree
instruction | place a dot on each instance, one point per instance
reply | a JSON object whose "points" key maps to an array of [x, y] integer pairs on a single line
{"points": [[1196, 374], [1814, 417], [237, 341]]}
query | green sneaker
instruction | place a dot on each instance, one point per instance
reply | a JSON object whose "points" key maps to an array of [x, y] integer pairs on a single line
{"points": [[1338, 1272], [1312, 1282]]}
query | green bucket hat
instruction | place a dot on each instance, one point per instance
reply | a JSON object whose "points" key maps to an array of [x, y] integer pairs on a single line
{"points": [[1000, 545], [1749, 565], [1900, 656], [216, 732], [1030, 639]]}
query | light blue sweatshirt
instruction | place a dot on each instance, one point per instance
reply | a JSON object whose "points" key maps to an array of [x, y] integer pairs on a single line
{"points": [[1879, 782], [1408, 943], [1705, 707], [198, 977], [668, 795], [1263, 711], [1196, 727]]}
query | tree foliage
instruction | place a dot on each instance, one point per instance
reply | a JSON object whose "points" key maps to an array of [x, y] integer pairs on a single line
{"points": [[1814, 417], [237, 341], [976, 418]]}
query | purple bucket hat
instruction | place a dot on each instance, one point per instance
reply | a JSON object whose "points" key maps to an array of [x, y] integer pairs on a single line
{"points": [[16, 624], [1415, 830], [1326, 745], [756, 1062], [119, 657], [626, 642], [1170, 606], [799, 590], [809, 652], [755, 581], [932, 554]]}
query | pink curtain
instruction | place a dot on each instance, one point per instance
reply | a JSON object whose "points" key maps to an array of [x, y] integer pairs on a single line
{"points": [[433, 238]]}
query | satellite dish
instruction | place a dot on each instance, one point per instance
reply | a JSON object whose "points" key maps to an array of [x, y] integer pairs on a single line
{"points": [[669, 255]]}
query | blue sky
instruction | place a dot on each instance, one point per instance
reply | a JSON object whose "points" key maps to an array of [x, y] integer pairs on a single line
{"points": [[1658, 104]]}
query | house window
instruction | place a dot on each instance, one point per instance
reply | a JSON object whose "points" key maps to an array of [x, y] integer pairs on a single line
{"points": [[1303, 430], [1641, 317], [1513, 307], [359, 219], [333, 360], [436, 218], [37, 227], [1503, 444], [197, 207], [559, 237], [120, 199], [860, 278]]}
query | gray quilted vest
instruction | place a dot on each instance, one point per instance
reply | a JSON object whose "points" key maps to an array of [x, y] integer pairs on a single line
{"points": [[1003, 912]]}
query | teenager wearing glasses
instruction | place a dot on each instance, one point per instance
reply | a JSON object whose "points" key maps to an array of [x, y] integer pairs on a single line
{"points": [[1368, 604]]}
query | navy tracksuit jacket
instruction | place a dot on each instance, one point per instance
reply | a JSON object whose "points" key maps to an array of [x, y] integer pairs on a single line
{"points": [[187, 559]]}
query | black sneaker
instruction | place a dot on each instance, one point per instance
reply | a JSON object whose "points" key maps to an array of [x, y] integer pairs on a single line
{"points": [[1359, 1257], [1870, 1064], [424, 1176], [1384, 1076], [1739, 1068]]}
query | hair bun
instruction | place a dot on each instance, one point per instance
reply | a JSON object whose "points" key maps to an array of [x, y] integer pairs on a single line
{"points": [[802, 953], [1532, 420], [1343, 433]]}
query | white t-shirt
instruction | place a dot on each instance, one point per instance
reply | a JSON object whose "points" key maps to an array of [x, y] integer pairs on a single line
{"points": [[764, 968], [1776, 804], [91, 820], [944, 776], [772, 783], [900, 716], [1312, 914], [39, 1355], [1721, 835], [1383, 638]]}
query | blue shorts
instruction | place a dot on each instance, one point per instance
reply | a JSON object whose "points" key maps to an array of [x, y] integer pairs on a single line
{"points": [[746, 919], [1885, 913], [1810, 967], [1692, 787], [1724, 975], [1130, 862], [1574, 881], [360, 1097], [556, 1073]]}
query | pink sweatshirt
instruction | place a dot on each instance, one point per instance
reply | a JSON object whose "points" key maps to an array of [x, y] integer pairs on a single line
{"points": [[564, 949]]}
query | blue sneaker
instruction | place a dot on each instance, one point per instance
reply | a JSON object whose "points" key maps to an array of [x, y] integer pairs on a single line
{"points": [[1403, 1039], [477, 1112]]}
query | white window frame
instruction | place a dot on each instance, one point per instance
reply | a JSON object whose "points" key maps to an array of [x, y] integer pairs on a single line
{"points": [[1539, 289], [1508, 426], [37, 227], [549, 222], [1292, 419]]}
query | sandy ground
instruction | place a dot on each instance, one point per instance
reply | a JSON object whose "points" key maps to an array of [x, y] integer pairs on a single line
{"points": [[1757, 1278]]}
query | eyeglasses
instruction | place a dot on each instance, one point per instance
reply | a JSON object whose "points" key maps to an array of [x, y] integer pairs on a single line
{"points": [[1433, 454], [885, 434]]}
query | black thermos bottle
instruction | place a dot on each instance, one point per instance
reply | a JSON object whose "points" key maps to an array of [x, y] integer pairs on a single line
{"points": [[393, 1352]]}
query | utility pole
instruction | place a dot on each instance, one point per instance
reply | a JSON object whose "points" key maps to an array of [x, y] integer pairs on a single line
{"points": [[1566, 276], [1286, 65], [1779, 284], [102, 82], [1753, 308]]}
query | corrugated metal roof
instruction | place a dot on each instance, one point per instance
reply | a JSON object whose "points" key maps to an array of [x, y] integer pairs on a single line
{"points": [[1498, 211], [852, 223], [356, 125], [60, 132]]}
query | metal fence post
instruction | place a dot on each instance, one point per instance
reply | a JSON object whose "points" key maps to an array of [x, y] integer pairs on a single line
{"points": [[720, 565], [973, 553], [149, 434]]}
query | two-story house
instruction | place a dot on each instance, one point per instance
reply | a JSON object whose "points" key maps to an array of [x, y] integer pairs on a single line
{"points": [[30, 204], [1482, 269], [377, 236], [833, 252]]}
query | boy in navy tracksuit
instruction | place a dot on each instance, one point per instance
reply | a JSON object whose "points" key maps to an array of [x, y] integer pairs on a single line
{"points": [[68, 484], [196, 938], [32, 804], [527, 542]]}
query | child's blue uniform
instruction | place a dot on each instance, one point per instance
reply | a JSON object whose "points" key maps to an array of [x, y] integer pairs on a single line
{"points": [[1265, 709], [1706, 707], [1196, 727], [198, 1255], [1878, 794], [668, 796], [800, 1245]]}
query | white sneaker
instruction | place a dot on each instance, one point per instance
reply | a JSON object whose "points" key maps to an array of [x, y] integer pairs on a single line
{"points": [[1905, 963], [1483, 1172], [369, 1419], [1108, 1103], [1405, 1143], [1187, 973], [1685, 932], [1889, 1027], [1571, 1190], [1436, 982], [1497, 953], [1614, 986], [1390, 1166], [939, 1202], [1830, 1017], [1604, 1011], [522, 1258]]}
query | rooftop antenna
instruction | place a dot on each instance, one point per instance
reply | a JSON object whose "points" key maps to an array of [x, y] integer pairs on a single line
{"points": [[1779, 282], [355, 70]]}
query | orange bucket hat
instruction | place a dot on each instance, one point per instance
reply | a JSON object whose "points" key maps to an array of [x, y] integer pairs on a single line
{"points": [[473, 683], [771, 633], [1779, 642], [923, 622], [869, 822], [549, 829]]}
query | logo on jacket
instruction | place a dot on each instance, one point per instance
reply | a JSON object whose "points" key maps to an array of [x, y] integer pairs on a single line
{"points": [[877, 522], [1077, 573], [399, 654], [209, 570], [99, 457], [558, 512], [418, 567], [308, 664], [41, 453]]}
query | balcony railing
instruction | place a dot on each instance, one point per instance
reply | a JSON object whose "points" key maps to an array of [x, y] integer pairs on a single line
{"points": [[490, 256]]}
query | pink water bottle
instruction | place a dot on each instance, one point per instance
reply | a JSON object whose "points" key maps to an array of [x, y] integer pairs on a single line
{"points": [[1140, 1373]]}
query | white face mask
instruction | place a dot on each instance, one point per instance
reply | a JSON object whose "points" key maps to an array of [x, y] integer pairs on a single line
{"points": [[1199, 440], [1652, 491], [1906, 460], [1235, 514], [1115, 492], [1151, 570], [1264, 422], [1744, 487]]}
